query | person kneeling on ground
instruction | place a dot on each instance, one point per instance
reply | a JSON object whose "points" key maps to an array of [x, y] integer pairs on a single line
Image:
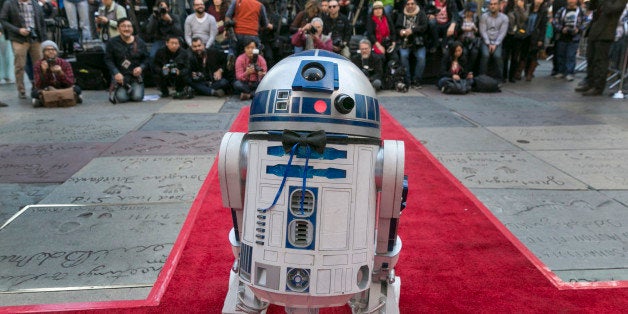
{"points": [[250, 68], [207, 69], [52, 71], [172, 67], [126, 58], [370, 64], [453, 70]]}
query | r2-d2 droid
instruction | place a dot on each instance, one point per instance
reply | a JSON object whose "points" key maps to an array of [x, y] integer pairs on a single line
{"points": [[315, 194]]}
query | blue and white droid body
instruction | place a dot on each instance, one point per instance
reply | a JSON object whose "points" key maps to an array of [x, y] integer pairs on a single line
{"points": [[315, 193]]}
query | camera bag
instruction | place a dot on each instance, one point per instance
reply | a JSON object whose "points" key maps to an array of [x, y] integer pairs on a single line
{"points": [[52, 97]]}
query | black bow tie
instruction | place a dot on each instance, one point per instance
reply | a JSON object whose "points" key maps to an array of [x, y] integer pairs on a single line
{"points": [[315, 140]]}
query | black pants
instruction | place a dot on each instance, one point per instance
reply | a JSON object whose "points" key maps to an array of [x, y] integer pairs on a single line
{"points": [[597, 62], [177, 81]]}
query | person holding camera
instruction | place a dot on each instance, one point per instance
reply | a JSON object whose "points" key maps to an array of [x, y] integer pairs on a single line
{"points": [[338, 27], [162, 24], [380, 31], [172, 66], [201, 24], [370, 64], [52, 71], [126, 58], [311, 36], [411, 27], [568, 25], [250, 68], [23, 21], [207, 70], [106, 19]]}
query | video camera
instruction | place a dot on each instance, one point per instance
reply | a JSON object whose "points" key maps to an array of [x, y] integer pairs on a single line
{"points": [[169, 68], [161, 11], [254, 60], [32, 33]]}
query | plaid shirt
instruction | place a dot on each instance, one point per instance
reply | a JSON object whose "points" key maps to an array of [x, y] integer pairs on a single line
{"points": [[26, 10]]}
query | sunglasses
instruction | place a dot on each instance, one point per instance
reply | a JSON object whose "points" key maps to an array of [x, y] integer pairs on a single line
{"points": [[333, 6]]}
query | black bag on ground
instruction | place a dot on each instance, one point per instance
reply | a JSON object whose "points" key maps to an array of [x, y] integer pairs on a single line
{"points": [[485, 84], [455, 87], [90, 79]]}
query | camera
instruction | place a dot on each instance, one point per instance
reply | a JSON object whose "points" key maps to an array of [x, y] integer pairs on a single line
{"points": [[338, 43], [32, 33], [198, 76], [161, 11], [169, 68], [229, 23], [254, 60], [50, 62], [401, 87], [312, 30], [366, 70]]}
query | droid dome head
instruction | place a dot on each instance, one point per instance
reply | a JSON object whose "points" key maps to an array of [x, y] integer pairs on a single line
{"points": [[316, 90]]}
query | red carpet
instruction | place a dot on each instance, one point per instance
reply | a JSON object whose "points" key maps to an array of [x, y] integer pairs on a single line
{"points": [[456, 257]]}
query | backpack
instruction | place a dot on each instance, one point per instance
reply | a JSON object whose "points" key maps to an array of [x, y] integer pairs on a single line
{"points": [[485, 84], [90, 79], [455, 87]]}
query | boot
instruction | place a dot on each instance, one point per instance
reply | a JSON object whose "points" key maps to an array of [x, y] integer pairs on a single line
{"points": [[530, 70], [522, 65]]}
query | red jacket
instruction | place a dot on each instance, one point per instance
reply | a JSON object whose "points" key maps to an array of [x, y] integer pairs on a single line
{"points": [[43, 80]]}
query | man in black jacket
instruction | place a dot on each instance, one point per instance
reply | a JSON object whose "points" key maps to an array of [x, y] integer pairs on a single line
{"points": [[207, 68], [172, 65], [126, 57], [23, 21], [370, 64], [161, 24], [338, 25], [600, 36]]}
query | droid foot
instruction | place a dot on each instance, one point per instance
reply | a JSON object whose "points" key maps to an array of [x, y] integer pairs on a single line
{"points": [[240, 299]]}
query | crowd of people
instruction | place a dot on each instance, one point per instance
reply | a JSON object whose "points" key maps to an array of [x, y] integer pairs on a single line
{"points": [[217, 47]]}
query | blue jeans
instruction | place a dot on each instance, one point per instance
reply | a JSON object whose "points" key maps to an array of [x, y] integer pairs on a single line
{"points": [[205, 88], [566, 54], [157, 44], [419, 54], [497, 57], [244, 87], [135, 93]]}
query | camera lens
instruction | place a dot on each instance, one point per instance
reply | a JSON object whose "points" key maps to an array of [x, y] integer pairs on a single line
{"points": [[313, 72], [344, 103]]}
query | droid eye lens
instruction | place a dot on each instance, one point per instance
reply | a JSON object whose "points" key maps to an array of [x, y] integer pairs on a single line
{"points": [[313, 72], [344, 104]]}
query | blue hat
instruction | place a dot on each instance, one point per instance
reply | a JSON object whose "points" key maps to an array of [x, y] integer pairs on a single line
{"points": [[472, 6]]}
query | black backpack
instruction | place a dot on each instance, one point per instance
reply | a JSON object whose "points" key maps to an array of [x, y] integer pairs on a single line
{"points": [[485, 84]]}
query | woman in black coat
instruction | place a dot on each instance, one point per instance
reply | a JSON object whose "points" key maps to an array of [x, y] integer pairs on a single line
{"points": [[536, 27], [453, 67]]}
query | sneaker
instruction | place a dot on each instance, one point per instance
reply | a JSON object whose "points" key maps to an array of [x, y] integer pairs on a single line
{"points": [[569, 77], [36, 103], [22, 95], [178, 95], [582, 88], [218, 93], [79, 99], [245, 96], [559, 76], [593, 92], [3, 104]]}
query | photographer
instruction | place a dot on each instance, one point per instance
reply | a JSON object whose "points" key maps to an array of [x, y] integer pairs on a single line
{"points": [[568, 25], [127, 58], [338, 27], [380, 31], [411, 27], [162, 24], [370, 64], [106, 19], [311, 36], [52, 71], [207, 70], [250, 68], [23, 21], [172, 65]]}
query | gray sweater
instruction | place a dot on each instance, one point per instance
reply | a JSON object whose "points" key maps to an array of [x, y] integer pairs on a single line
{"points": [[493, 29], [206, 30]]}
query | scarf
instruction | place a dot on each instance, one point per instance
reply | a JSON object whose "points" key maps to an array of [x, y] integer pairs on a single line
{"points": [[381, 31]]}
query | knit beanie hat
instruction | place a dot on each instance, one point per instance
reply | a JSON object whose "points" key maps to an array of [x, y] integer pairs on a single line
{"points": [[49, 43]]}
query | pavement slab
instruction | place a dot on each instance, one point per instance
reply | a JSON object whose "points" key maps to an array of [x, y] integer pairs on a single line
{"points": [[56, 127], [425, 119], [87, 247], [14, 196], [599, 169], [45, 163], [565, 137], [461, 139], [195, 105], [506, 170], [492, 102], [188, 121], [167, 143], [512, 118], [134, 180], [410, 104], [579, 234]]}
